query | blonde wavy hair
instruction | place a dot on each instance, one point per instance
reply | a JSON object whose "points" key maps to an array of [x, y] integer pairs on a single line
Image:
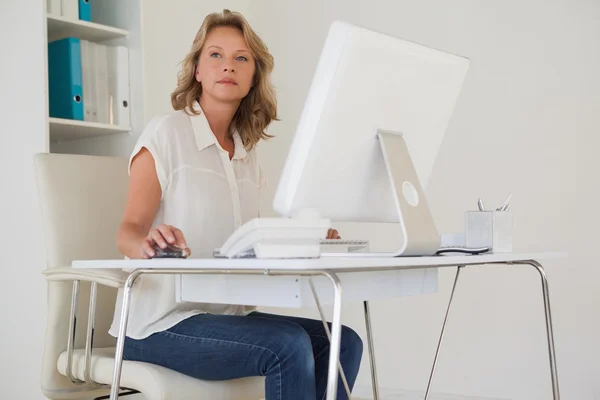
{"points": [[259, 107]]}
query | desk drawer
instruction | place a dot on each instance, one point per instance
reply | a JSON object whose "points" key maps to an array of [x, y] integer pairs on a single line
{"points": [[295, 292]]}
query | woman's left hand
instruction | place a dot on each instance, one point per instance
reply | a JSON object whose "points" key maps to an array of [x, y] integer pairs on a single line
{"points": [[333, 234]]}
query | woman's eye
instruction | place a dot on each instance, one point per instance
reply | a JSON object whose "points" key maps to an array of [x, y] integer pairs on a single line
{"points": [[241, 58], [215, 55]]}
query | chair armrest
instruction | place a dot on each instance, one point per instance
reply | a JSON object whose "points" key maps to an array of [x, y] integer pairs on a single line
{"points": [[113, 278]]}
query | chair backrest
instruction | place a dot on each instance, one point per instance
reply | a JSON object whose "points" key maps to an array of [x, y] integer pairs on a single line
{"points": [[82, 200]]}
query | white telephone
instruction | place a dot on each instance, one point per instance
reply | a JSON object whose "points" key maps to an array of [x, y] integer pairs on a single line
{"points": [[297, 237]]}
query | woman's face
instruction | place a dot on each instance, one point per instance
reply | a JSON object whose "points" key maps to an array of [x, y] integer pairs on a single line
{"points": [[225, 66]]}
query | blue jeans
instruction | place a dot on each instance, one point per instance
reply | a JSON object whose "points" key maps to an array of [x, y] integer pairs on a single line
{"points": [[291, 352]]}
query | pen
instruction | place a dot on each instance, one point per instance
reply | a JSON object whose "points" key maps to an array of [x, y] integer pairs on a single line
{"points": [[506, 204], [480, 204]]}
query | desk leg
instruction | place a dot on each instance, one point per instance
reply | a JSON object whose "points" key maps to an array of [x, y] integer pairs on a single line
{"points": [[549, 329], [437, 351], [336, 336], [374, 382], [116, 382], [328, 333]]}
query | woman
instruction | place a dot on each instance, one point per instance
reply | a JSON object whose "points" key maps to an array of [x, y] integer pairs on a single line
{"points": [[194, 179]]}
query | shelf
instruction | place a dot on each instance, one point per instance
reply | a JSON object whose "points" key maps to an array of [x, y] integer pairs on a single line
{"points": [[60, 28], [67, 129]]}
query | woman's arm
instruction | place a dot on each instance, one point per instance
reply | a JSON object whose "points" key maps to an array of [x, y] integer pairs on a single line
{"points": [[135, 239]]}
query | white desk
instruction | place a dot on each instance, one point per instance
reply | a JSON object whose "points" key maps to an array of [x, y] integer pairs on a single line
{"points": [[286, 283]]}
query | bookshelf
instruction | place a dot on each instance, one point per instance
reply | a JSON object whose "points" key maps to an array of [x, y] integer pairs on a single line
{"points": [[67, 129], [113, 23], [60, 27]]}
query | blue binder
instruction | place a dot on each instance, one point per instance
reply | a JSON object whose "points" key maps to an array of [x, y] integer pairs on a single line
{"points": [[85, 12], [64, 79]]}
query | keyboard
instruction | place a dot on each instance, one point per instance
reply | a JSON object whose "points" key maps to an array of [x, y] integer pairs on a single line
{"points": [[336, 246], [343, 242], [328, 245]]}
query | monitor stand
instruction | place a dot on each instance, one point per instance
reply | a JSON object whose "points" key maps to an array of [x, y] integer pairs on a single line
{"points": [[420, 234]]}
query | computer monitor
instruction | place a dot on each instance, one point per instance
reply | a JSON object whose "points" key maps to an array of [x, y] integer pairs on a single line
{"points": [[371, 91]]}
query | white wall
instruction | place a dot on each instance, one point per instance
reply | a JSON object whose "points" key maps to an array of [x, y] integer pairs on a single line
{"points": [[525, 122], [22, 113]]}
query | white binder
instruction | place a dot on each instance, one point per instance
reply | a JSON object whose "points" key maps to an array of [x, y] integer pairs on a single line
{"points": [[53, 7], [70, 9], [88, 81], [94, 81], [118, 85], [102, 100]]}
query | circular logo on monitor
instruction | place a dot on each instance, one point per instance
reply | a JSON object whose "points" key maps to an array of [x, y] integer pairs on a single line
{"points": [[410, 193]]}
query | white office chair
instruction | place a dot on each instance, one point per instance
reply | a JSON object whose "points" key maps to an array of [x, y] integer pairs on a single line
{"points": [[82, 200]]}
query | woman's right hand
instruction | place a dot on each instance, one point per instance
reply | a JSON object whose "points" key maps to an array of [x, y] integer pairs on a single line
{"points": [[162, 236]]}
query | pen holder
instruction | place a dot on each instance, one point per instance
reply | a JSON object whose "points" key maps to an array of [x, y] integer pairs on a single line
{"points": [[491, 229]]}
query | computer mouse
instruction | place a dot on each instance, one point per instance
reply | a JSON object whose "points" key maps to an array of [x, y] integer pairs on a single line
{"points": [[170, 251]]}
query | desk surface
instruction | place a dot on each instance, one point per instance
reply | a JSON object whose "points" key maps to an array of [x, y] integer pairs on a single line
{"points": [[329, 263]]}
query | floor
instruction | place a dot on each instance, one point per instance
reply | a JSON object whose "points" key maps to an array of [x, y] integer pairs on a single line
{"points": [[391, 394], [365, 393]]}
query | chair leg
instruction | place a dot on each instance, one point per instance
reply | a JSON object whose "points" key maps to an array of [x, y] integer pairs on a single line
{"points": [[72, 330]]}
